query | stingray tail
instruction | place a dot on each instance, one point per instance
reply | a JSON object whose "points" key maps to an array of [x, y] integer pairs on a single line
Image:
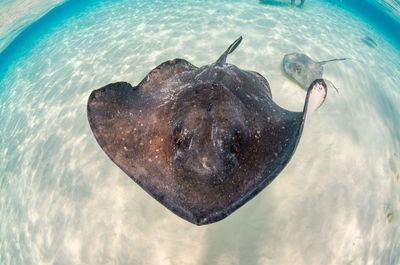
{"points": [[332, 60], [221, 60], [330, 83]]}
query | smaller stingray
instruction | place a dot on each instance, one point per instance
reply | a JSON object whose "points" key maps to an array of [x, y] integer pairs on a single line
{"points": [[201, 140], [369, 42], [282, 3], [303, 69]]}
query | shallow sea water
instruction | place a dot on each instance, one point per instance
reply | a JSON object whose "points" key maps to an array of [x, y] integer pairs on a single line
{"points": [[62, 201]]}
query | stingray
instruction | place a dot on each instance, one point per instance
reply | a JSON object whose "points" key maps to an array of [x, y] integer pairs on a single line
{"points": [[200, 140], [369, 41], [280, 3], [303, 69]]}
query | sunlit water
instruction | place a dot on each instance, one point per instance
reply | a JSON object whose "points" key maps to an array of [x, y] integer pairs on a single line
{"points": [[16, 15], [62, 201]]}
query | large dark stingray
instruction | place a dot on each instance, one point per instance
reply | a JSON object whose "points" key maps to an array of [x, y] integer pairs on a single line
{"points": [[202, 141], [303, 69]]}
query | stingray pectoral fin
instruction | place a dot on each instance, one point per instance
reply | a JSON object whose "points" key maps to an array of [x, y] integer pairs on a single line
{"points": [[316, 95], [132, 129], [104, 108], [222, 59]]}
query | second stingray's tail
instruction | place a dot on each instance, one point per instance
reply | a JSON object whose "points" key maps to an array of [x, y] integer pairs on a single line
{"points": [[332, 60], [222, 59]]}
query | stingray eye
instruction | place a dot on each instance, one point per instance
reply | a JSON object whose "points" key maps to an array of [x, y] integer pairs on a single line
{"points": [[177, 135], [235, 142], [181, 136], [178, 139], [296, 67]]}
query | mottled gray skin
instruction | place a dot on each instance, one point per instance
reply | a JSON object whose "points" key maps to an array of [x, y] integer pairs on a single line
{"points": [[303, 69], [200, 140]]}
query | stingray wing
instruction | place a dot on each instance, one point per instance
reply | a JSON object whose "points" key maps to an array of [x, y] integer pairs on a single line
{"points": [[130, 129], [131, 124]]}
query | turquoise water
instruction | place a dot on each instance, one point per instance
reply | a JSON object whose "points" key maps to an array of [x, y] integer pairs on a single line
{"points": [[62, 201]]}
